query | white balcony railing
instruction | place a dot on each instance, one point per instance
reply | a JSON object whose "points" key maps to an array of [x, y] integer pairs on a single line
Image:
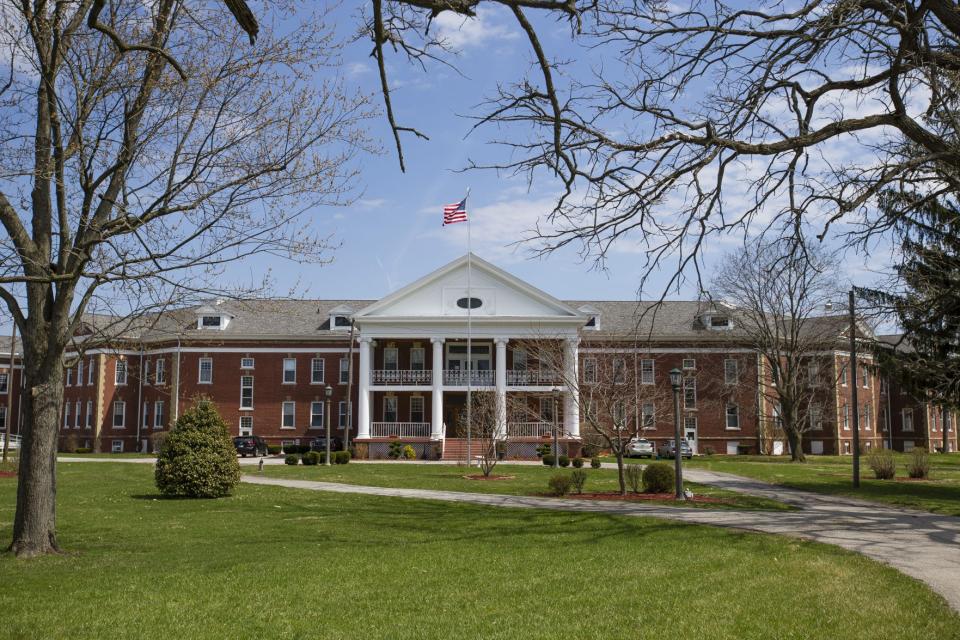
{"points": [[531, 429], [400, 429], [532, 378], [410, 377], [458, 378]]}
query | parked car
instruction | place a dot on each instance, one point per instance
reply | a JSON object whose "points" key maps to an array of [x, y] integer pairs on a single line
{"points": [[319, 443], [252, 445], [640, 447], [668, 450]]}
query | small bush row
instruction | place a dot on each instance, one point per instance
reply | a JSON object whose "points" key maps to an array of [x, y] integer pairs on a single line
{"points": [[883, 464], [312, 458], [562, 483], [400, 451]]}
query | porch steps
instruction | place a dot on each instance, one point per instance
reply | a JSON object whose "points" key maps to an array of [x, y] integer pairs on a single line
{"points": [[456, 449]]}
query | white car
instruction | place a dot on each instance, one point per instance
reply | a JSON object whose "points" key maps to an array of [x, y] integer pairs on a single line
{"points": [[640, 447]]}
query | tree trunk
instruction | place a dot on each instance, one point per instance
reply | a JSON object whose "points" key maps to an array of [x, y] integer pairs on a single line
{"points": [[620, 476], [35, 523], [795, 440]]}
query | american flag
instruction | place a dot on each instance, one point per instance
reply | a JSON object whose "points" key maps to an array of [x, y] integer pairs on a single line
{"points": [[455, 212]]}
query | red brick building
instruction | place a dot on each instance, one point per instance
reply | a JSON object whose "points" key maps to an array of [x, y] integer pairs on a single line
{"points": [[399, 368]]}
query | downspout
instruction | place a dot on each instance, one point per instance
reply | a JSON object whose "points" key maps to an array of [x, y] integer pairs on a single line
{"points": [[889, 419], [140, 398], [175, 400]]}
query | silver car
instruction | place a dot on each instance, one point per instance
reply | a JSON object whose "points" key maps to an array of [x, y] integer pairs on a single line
{"points": [[640, 447]]}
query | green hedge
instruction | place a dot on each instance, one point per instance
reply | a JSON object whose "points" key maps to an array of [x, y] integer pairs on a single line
{"points": [[291, 459]]}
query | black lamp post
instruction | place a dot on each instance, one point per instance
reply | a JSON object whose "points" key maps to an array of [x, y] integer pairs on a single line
{"points": [[676, 381], [328, 392], [556, 423]]}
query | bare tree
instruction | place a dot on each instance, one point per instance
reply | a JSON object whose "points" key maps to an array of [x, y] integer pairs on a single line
{"points": [[143, 147], [488, 429], [779, 291]]}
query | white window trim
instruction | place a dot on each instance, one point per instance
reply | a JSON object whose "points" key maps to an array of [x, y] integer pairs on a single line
{"points": [[283, 372], [158, 414], [116, 446], [90, 372], [423, 358], [683, 389], [242, 407], [240, 427], [726, 417], [590, 365], [691, 367], [323, 370], [623, 369], [123, 415], [314, 413], [116, 373], [283, 413], [89, 422], [726, 372], [160, 371], [200, 379], [66, 414], [396, 408], [69, 382], [343, 371], [643, 372], [904, 414], [396, 358], [423, 408], [251, 360], [342, 413]]}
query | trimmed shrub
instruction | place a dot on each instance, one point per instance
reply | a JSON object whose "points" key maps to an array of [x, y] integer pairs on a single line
{"points": [[197, 459], [658, 478], [291, 448], [341, 457], [396, 450], [919, 465], [882, 464], [577, 463], [274, 449], [409, 453], [559, 484], [634, 474], [291, 459], [595, 462], [564, 461], [544, 450], [547, 459], [312, 458], [578, 478], [83, 450]]}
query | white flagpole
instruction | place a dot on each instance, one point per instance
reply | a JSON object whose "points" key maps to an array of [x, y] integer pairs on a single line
{"points": [[469, 338]]}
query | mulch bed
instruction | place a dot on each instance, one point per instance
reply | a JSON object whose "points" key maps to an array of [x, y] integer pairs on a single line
{"points": [[907, 479], [8, 474], [480, 476], [645, 497]]}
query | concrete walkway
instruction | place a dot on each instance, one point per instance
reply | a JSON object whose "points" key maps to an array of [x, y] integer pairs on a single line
{"points": [[923, 545]]}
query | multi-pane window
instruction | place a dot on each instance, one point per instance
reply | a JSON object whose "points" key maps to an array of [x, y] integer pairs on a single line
{"points": [[246, 363], [546, 409], [589, 369], [316, 371], [70, 377], [3, 418], [146, 372], [846, 417], [815, 415], [648, 416], [66, 415], [689, 393], [4, 381], [813, 372], [689, 363], [77, 406], [288, 421], [731, 371], [206, 371], [416, 409], [146, 414], [246, 425], [907, 419], [646, 372], [89, 423], [520, 360], [619, 371], [866, 379], [119, 414], [289, 370], [246, 392], [316, 415], [121, 372], [90, 370], [417, 358], [160, 371], [867, 412], [843, 375], [80, 372], [390, 409], [390, 358], [158, 417], [344, 370], [342, 413], [619, 413], [116, 446], [733, 416]]}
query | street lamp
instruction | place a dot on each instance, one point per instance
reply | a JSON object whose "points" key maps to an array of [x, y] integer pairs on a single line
{"points": [[328, 392], [556, 446], [676, 381], [855, 409]]}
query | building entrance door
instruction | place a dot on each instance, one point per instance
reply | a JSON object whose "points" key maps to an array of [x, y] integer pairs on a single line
{"points": [[690, 432], [454, 414]]}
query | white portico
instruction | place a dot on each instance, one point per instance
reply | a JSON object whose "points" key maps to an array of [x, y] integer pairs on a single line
{"points": [[415, 364]]}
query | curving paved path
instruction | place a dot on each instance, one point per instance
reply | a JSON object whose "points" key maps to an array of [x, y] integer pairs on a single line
{"points": [[923, 545]]}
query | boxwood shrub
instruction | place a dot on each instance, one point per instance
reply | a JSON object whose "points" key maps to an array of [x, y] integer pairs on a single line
{"points": [[595, 462], [341, 457], [197, 458], [291, 459], [274, 449], [311, 458], [547, 459], [658, 477], [564, 461]]}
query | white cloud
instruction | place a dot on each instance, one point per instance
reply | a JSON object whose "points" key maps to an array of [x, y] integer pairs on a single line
{"points": [[460, 32]]}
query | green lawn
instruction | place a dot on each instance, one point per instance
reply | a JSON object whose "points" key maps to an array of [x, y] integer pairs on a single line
{"points": [[832, 475], [526, 480], [283, 563]]}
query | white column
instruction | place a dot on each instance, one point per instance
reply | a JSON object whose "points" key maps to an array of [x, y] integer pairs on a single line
{"points": [[501, 379], [436, 392], [571, 401], [363, 396]]}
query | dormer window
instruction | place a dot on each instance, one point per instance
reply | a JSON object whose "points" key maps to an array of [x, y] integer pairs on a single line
{"points": [[341, 321], [719, 322], [339, 317], [592, 322], [210, 317], [210, 322], [593, 317]]}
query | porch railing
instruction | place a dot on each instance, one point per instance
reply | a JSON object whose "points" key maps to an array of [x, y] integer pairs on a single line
{"points": [[457, 378], [532, 378], [402, 376], [400, 429], [531, 429]]}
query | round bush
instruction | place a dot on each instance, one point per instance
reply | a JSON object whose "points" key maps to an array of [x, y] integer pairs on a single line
{"points": [[341, 457], [409, 452], [560, 484], [577, 463], [312, 458], [291, 459], [564, 461], [658, 477], [197, 458], [547, 459], [595, 463], [274, 449]]}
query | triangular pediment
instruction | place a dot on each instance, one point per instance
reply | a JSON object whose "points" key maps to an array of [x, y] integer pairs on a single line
{"points": [[443, 294]]}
